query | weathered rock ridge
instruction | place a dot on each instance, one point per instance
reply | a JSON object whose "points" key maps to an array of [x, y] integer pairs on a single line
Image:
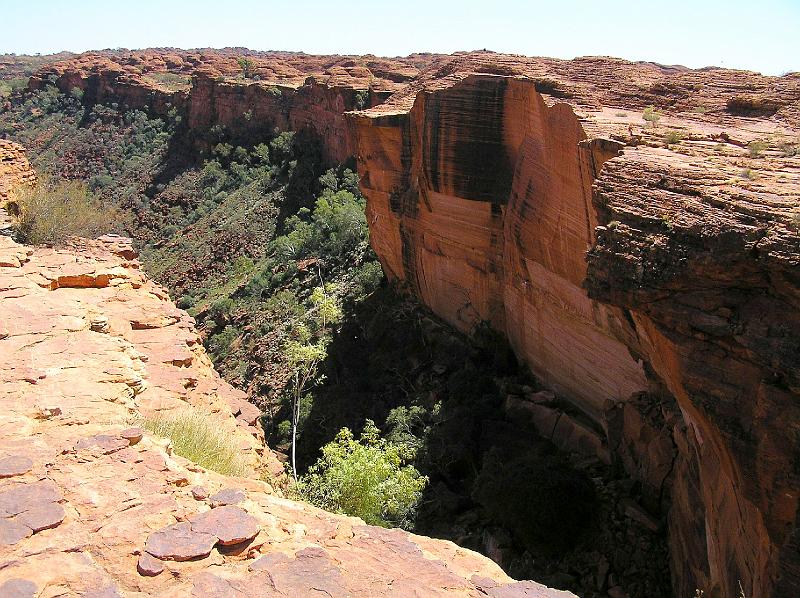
{"points": [[287, 91], [92, 505], [652, 279]]}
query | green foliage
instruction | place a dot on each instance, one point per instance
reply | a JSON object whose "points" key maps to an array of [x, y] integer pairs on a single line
{"points": [[54, 211], [366, 478], [306, 349], [360, 99], [672, 137], [9, 86], [756, 148], [247, 65], [170, 81], [200, 439], [788, 149], [651, 115]]}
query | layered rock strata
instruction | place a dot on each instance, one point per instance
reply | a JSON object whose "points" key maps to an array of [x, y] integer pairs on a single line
{"points": [[283, 90], [646, 270]]}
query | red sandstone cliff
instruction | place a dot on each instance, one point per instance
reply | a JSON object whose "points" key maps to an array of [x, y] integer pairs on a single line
{"points": [[492, 179], [288, 91]]}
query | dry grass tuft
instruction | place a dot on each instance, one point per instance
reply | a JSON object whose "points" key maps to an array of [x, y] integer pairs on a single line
{"points": [[197, 437]]}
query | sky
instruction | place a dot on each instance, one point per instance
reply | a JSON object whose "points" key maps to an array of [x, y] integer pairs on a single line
{"points": [[759, 35]]}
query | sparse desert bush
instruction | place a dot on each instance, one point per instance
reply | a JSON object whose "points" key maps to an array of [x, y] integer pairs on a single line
{"points": [[54, 210], [360, 99], [171, 81], [247, 65], [673, 137], [789, 150], [651, 115], [748, 174], [9, 86], [366, 478], [198, 438], [756, 148]]}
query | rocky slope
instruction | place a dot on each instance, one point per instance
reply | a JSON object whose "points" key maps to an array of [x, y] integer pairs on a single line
{"points": [[646, 271], [92, 505]]}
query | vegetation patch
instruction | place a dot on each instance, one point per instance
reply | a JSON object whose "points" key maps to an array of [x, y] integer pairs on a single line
{"points": [[197, 437], [366, 478], [53, 211]]}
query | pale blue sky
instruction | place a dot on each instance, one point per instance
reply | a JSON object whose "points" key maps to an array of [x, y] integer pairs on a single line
{"points": [[761, 35]]}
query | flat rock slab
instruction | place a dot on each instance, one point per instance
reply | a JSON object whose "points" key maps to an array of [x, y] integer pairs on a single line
{"points": [[24, 497], [14, 465], [179, 542], [42, 516], [12, 531], [106, 443], [18, 588], [149, 566], [132, 435], [231, 525], [227, 496]]}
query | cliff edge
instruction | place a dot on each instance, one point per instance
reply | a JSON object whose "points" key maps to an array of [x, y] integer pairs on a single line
{"points": [[93, 505]]}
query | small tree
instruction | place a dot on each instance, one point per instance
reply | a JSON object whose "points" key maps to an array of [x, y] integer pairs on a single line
{"points": [[247, 65], [367, 478], [651, 115], [306, 349]]}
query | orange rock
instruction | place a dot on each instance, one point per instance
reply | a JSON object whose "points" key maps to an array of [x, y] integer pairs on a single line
{"points": [[530, 194]]}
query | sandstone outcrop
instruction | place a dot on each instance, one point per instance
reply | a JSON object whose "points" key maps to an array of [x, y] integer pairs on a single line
{"points": [[286, 91], [15, 170], [646, 270], [93, 505]]}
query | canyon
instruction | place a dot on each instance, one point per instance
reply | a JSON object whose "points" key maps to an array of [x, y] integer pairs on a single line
{"points": [[92, 504], [631, 229]]}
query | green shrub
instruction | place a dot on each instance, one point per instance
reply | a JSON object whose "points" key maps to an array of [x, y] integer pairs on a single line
{"points": [[247, 65], [651, 115], [672, 137], [53, 211], [366, 478], [360, 99], [756, 148], [170, 81], [197, 437]]}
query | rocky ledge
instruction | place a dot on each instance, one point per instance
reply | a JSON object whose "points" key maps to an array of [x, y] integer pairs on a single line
{"points": [[93, 505]]}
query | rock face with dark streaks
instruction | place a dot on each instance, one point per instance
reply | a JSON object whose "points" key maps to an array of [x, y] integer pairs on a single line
{"points": [[645, 270]]}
